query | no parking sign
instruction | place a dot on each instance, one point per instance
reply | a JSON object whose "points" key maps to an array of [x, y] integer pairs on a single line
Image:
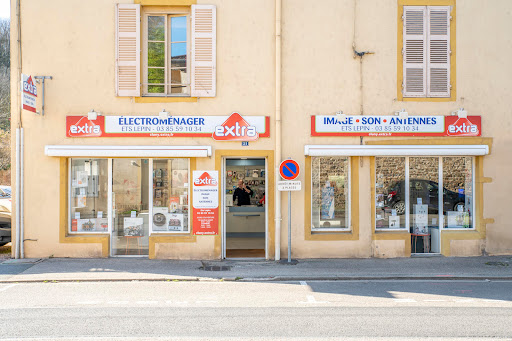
{"points": [[289, 169]]}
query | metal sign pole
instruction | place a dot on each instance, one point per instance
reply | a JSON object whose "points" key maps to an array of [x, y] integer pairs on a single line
{"points": [[289, 227], [43, 78]]}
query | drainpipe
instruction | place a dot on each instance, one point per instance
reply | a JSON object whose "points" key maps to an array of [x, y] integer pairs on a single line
{"points": [[22, 196], [17, 237], [19, 250], [277, 158]]}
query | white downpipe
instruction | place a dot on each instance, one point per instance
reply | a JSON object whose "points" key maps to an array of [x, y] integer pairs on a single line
{"points": [[277, 159], [22, 197], [17, 236]]}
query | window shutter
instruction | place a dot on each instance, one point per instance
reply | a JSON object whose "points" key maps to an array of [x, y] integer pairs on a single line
{"points": [[128, 50], [438, 78], [414, 52], [203, 75]]}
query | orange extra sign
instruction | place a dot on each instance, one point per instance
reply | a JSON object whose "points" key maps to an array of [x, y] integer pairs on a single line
{"points": [[205, 186]]}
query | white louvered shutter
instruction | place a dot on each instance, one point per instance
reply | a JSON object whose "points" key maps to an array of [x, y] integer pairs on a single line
{"points": [[203, 64], [438, 75], [128, 50], [414, 52]]}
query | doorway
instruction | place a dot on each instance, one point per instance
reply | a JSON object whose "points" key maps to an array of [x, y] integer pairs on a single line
{"points": [[245, 214], [130, 207]]}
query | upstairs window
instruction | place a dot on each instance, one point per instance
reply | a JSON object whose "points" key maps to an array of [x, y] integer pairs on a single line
{"points": [[178, 50], [426, 51], [166, 67]]}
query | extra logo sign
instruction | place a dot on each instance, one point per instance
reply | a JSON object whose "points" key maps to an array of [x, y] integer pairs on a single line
{"points": [[463, 126], [205, 180], [235, 128], [81, 126], [381, 125], [223, 128], [28, 93]]}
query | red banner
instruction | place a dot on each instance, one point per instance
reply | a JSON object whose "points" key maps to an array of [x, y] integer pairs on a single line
{"points": [[206, 221]]}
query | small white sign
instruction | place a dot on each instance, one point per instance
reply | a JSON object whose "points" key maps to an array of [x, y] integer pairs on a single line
{"points": [[133, 214], [289, 185], [28, 93], [205, 187], [394, 222], [100, 214], [77, 215]]}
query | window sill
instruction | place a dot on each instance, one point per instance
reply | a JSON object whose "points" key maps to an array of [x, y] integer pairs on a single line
{"points": [[87, 234], [427, 99], [327, 231], [404, 230], [165, 2], [164, 99], [169, 233]]}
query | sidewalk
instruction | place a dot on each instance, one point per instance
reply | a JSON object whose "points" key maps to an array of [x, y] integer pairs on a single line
{"points": [[128, 269]]}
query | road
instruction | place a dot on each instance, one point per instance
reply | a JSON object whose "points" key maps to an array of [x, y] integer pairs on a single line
{"points": [[214, 310]]}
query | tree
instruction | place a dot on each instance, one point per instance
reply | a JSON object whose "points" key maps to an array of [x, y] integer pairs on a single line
{"points": [[5, 102], [5, 76]]}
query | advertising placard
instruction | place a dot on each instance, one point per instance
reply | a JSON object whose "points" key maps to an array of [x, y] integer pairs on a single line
{"points": [[359, 125], [205, 202], [28, 93], [229, 128]]}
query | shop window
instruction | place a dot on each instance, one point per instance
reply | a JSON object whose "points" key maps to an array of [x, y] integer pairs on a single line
{"points": [[426, 52], [458, 192], [416, 190], [166, 55], [390, 201], [330, 194], [170, 195], [88, 199]]}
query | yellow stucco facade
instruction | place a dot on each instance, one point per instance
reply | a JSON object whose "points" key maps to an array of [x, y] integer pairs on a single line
{"points": [[74, 42]]}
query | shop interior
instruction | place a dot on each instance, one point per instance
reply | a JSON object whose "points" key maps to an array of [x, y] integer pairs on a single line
{"points": [[245, 223]]}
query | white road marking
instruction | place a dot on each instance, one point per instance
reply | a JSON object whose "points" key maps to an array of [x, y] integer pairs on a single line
{"points": [[497, 301], [8, 287], [177, 302], [147, 302], [312, 300], [199, 302], [435, 300], [118, 302], [404, 300], [89, 302], [464, 301]]}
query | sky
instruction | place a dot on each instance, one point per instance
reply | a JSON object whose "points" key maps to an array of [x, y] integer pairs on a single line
{"points": [[4, 8]]}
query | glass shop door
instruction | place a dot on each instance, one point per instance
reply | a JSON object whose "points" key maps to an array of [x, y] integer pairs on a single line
{"points": [[245, 208], [130, 207], [424, 199]]}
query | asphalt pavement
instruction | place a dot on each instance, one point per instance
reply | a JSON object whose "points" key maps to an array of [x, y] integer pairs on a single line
{"points": [[129, 269]]}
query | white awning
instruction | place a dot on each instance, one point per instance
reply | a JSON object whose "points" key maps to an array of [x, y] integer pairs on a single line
{"points": [[396, 150], [127, 151]]}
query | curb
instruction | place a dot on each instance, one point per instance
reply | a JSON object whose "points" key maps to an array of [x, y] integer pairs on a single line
{"points": [[270, 279]]}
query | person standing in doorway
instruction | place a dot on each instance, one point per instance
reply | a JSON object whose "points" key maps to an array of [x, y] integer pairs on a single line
{"points": [[243, 193]]}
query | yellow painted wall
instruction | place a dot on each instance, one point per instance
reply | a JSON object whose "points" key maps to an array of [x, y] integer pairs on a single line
{"points": [[74, 42]]}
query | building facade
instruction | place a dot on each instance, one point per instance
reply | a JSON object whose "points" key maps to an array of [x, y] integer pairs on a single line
{"points": [[162, 129]]}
